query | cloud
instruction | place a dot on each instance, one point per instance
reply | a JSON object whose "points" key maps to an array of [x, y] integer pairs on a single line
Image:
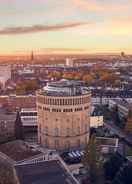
{"points": [[38, 28]]}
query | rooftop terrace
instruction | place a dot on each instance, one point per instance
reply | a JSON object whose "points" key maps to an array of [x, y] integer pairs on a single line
{"points": [[65, 88]]}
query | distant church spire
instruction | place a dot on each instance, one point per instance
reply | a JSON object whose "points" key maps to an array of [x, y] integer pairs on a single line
{"points": [[32, 56]]}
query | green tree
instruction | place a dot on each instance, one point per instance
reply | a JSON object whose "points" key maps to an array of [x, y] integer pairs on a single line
{"points": [[87, 78], [31, 85], [124, 175], [112, 166], [91, 159], [68, 75], [18, 127], [6, 172], [20, 88], [55, 74], [26, 86], [116, 117]]}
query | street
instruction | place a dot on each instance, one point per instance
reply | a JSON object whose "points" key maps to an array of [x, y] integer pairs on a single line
{"points": [[117, 131]]}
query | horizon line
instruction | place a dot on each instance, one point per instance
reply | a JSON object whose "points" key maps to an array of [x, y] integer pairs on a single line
{"points": [[54, 51]]}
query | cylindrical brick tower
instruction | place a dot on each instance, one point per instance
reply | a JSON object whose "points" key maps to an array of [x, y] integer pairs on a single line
{"points": [[63, 115]]}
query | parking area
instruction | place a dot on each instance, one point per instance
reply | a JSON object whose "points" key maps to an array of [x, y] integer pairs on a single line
{"points": [[72, 157]]}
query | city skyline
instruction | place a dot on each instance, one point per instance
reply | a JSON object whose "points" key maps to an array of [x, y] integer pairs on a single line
{"points": [[92, 26]]}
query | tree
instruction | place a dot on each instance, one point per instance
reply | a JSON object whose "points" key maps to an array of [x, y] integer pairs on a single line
{"points": [[124, 175], [91, 159], [26, 86], [18, 127], [112, 166], [31, 85], [104, 76], [68, 75], [87, 78], [55, 74], [20, 88], [7, 175], [116, 117], [128, 127], [78, 75]]}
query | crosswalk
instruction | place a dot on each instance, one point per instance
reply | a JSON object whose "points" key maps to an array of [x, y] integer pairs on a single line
{"points": [[75, 154]]}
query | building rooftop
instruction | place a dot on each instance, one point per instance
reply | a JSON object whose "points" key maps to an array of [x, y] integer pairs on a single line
{"points": [[28, 110], [22, 150], [123, 102], [111, 142], [7, 116], [44, 172], [65, 88]]}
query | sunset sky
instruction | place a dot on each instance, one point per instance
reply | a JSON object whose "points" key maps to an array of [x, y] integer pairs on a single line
{"points": [[90, 25]]}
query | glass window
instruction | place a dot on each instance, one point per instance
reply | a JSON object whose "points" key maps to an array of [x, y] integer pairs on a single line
{"points": [[66, 102], [61, 102], [73, 101]]}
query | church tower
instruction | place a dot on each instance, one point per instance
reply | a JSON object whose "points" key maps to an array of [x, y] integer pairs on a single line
{"points": [[32, 57]]}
